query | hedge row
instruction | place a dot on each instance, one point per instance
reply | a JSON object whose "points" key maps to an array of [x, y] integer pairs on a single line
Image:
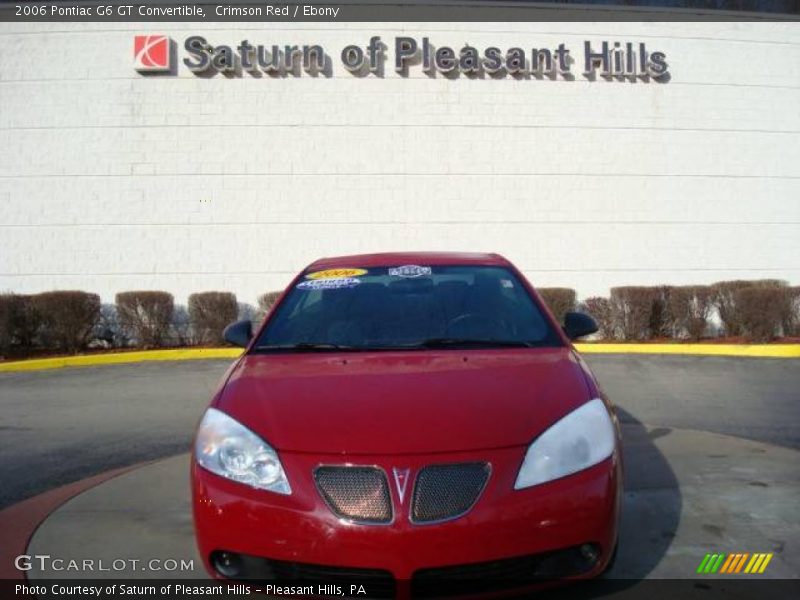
{"points": [[70, 321], [559, 300], [758, 310]]}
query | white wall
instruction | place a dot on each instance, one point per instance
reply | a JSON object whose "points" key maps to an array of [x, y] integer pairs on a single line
{"points": [[111, 181]]}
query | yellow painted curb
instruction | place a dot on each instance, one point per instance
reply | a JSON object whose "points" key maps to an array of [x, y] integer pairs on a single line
{"points": [[744, 350], [117, 358]]}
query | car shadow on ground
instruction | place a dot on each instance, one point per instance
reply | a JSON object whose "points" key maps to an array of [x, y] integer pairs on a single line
{"points": [[651, 512], [652, 502]]}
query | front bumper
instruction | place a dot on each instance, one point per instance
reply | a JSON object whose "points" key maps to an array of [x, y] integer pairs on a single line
{"points": [[504, 523]]}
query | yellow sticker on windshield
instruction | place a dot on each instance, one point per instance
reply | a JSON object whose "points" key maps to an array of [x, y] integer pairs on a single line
{"points": [[336, 273]]}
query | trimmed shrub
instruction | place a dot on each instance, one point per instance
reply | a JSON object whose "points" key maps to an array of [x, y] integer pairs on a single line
{"points": [[725, 301], [145, 316], [601, 311], [690, 308], [632, 307], [790, 311], [769, 283], [791, 322], [266, 302], [760, 311], [662, 321], [560, 301], [210, 313], [67, 318], [27, 321], [7, 308]]}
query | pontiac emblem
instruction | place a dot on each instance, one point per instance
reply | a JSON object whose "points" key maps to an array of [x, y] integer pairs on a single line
{"points": [[401, 481]]}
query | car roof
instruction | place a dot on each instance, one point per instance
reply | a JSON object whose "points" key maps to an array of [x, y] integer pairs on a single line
{"points": [[396, 259]]}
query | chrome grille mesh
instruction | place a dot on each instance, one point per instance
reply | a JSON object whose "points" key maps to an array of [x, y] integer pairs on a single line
{"points": [[447, 491], [358, 494]]}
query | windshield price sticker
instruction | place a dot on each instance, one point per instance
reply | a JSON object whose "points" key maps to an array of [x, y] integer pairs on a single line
{"points": [[328, 284], [337, 274], [409, 271]]}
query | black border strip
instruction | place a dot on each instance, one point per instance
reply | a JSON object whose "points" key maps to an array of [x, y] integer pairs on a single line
{"points": [[369, 11]]}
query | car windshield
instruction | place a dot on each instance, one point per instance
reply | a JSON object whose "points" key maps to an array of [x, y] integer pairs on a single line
{"points": [[407, 307]]}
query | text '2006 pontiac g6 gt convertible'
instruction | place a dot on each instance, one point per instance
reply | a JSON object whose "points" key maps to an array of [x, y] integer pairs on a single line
{"points": [[416, 417]]}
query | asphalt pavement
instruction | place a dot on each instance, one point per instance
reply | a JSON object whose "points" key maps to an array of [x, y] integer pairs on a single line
{"points": [[64, 425], [61, 426], [753, 398]]}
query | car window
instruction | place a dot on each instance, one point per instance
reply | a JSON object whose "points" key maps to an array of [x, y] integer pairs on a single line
{"points": [[407, 307]]}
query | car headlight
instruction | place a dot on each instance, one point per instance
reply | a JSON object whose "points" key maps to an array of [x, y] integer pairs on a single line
{"points": [[227, 448], [580, 440]]}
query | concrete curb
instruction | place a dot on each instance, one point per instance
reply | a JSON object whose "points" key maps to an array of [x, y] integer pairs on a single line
{"points": [[116, 358], [741, 350], [20, 521]]}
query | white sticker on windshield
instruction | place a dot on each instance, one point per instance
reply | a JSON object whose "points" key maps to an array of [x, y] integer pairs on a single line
{"points": [[409, 271], [328, 284], [507, 283]]}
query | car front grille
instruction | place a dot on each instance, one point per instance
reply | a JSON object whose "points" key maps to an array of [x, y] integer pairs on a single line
{"points": [[444, 492], [441, 492], [359, 494]]}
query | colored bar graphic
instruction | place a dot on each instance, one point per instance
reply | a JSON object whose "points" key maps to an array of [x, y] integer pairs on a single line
{"points": [[732, 562], [727, 564], [735, 562], [756, 563], [741, 562], [765, 563], [753, 563], [710, 563], [703, 563], [718, 564]]}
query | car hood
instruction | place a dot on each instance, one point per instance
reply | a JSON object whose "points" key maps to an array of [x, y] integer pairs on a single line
{"points": [[403, 402]]}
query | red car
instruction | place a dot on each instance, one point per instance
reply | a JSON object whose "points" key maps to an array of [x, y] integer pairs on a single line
{"points": [[414, 417]]}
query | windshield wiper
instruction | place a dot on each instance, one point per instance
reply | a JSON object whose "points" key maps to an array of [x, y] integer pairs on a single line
{"points": [[302, 347], [442, 342], [445, 342]]}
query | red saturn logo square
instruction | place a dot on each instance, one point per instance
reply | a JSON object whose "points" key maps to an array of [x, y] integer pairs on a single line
{"points": [[151, 53]]}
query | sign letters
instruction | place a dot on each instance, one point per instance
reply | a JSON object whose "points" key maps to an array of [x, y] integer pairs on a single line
{"points": [[611, 60]]}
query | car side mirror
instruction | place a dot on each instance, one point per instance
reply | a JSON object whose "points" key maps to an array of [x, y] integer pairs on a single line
{"points": [[578, 325], [239, 333]]}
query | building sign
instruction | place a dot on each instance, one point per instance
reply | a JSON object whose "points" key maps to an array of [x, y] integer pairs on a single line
{"points": [[611, 60], [151, 53]]}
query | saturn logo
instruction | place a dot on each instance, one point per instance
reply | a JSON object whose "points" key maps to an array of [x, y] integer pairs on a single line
{"points": [[152, 53]]}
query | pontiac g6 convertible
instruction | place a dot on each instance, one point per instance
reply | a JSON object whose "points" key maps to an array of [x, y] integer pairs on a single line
{"points": [[412, 418]]}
